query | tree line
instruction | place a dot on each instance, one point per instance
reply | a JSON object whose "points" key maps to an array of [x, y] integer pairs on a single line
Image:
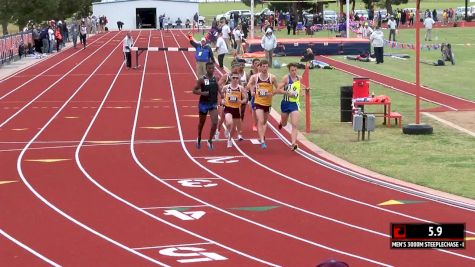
{"points": [[21, 13]]}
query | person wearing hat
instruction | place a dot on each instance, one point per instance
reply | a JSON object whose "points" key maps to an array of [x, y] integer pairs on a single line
{"points": [[367, 31], [203, 54], [392, 29], [221, 48], [127, 44], [269, 43], [377, 42]]}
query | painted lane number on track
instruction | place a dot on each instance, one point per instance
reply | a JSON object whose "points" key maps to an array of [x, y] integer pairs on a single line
{"points": [[186, 215], [191, 254], [197, 183], [220, 160]]}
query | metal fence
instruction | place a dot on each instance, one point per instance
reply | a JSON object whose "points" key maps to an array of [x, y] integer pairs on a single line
{"points": [[9, 45]]}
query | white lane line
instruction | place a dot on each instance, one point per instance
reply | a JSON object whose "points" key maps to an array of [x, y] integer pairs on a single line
{"points": [[176, 245], [177, 117], [179, 179], [52, 85], [325, 191], [41, 74], [425, 87], [32, 251], [49, 204], [450, 124], [175, 207], [134, 155], [78, 161]]}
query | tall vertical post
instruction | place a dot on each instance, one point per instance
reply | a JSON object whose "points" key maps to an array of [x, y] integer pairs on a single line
{"points": [[306, 83], [347, 18], [252, 19], [418, 57]]}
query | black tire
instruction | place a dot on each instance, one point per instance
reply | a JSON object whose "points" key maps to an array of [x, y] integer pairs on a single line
{"points": [[417, 129]]}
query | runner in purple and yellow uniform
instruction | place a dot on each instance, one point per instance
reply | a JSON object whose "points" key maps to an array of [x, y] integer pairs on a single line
{"points": [[234, 97], [263, 86], [291, 87], [224, 80]]}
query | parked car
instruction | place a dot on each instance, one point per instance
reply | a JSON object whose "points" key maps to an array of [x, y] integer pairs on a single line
{"points": [[362, 13], [201, 20], [329, 16], [227, 15], [384, 14], [265, 12]]}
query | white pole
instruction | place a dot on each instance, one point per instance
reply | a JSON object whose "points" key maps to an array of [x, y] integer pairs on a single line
{"points": [[252, 19], [347, 18]]}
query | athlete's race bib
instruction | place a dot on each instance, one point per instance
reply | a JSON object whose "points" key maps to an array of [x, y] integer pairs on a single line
{"points": [[206, 82], [263, 93], [233, 99]]}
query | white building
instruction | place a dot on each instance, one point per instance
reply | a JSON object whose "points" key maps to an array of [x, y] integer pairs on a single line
{"points": [[131, 12]]}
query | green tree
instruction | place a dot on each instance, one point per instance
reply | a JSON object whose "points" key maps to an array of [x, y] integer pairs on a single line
{"points": [[6, 7]]}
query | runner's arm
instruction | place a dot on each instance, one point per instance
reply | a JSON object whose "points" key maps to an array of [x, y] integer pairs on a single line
{"points": [[197, 88]]}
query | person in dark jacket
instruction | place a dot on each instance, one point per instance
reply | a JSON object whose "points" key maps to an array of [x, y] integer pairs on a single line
{"points": [[307, 55], [203, 55]]}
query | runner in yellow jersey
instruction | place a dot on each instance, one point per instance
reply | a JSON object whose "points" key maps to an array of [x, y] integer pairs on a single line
{"points": [[263, 86], [234, 97], [291, 88]]}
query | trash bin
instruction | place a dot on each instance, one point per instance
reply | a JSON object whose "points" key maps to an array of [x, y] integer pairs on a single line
{"points": [[360, 87], [346, 109]]}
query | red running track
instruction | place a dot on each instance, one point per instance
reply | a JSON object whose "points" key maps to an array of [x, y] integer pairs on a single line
{"points": [[130, 180], [448, 102]]}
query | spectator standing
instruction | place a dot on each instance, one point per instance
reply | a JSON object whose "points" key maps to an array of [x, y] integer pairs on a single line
{"points": [[74, 33], [51, 39], [58, 37], [160, 20], [238, 39], [221, 48], [44, 40], [428, 23], [377, 41], [226, 31], [127, 44], [36, 38], [392, 29], [203, 55], [83, 33], [196, 18], [269, 43], [120, 24], [367, 31]]}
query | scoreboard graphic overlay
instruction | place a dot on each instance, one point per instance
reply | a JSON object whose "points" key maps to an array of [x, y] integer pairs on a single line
{"points": [[428, 235]]}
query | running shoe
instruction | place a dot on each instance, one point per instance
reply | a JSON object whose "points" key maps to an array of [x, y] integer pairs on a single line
{"points": [[216, 135], [210, 144], [198, 143], [226, 133], [230, 144], [294, 147], [254, 128], [263, 145], [280, 125], [240, 137]]}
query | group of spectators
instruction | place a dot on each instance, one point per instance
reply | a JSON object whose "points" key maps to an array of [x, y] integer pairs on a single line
{"points": [[53, 35]]}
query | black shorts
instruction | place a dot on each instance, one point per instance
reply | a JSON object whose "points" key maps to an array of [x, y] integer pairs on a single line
{"points": [[233, 111], [266, 109]]}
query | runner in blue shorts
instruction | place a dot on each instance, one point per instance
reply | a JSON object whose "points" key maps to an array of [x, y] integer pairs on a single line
{"points": [[290, 87], [208, 89]]}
